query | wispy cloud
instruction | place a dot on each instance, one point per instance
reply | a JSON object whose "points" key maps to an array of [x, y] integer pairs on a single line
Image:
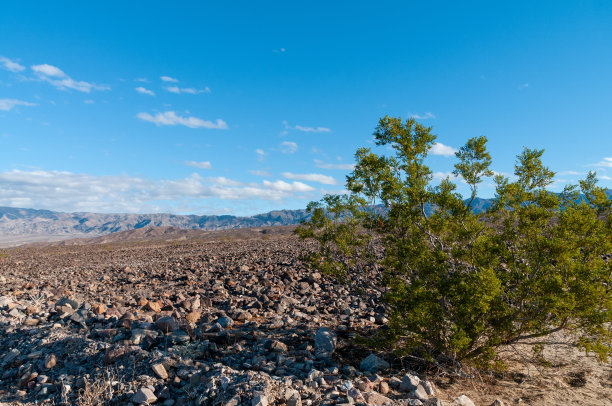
{"points": [[524, 86], [57, 78], [425, 116], [10, 65], [604, 177], [143, 80], [171, 118], [8, 104], [573, 173], [89, 101], [289, 147], [311, 177], [168, 79], [305, 129], [283, 186], [199, 165], [66, 191], [188, 90], [443, 175], [261, 154], [279, 50], [440, 149], [325, 165], [260, 173], [605, 163], [143, 90]]}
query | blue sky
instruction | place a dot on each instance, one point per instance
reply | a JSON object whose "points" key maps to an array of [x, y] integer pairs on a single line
{"points": [[245, 107]]}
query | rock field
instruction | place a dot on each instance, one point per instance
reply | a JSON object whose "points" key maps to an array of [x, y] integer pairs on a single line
{"points": [[233, 321]]}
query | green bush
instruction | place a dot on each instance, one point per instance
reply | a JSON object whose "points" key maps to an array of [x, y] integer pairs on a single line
{"points": [[459, 283]]}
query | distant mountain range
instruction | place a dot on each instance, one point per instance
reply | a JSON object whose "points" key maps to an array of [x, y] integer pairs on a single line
{"points": [[19, 226]]}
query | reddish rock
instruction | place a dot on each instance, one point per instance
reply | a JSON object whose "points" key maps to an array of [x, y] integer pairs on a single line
{"points": [[114, 355], [154, 306], [99, 309], [193, 317]]}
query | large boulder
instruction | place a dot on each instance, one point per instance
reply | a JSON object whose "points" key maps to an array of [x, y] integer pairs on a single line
{"points": [[373, 364], [325, 343]]}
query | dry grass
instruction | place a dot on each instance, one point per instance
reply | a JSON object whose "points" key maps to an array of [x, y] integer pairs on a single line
{"points": [[98, 391]]}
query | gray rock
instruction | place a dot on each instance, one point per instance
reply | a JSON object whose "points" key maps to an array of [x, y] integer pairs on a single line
{"points": [[355, 394], [5, 301], [160, 371], [10, 356], [69, 302], [498, 402], [180, 337], [464, 401], [325, 343], [225, 322], [433, 402], [428, 387], [375, 398], [278, 346], [395, 382], [144, 396], [419, 393], [409, 383], [259, 400], [243, 315], [78, 318], [138, 334], [293, 398], [167, 324], [373, 364]]}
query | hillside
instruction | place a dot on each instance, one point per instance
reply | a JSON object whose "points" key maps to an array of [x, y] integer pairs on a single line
{"points": [[19, 226]]}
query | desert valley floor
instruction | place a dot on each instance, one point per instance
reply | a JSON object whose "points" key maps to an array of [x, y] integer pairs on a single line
{"points": [[232, 317]]}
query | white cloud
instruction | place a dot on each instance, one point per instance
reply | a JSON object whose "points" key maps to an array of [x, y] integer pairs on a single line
{"points": [[48, 70], [200, 165], [56, 77], [9, 65], [283, 186], [171, 118], [443, 175], [188, 90], [280, 50], [260, 173], [604, 177], [223, 181], [425, 116], [88, 101], [143, 80], [143, 90], [573, 173], [168, 79], [66, 191], [605, 163], [305, 129], [311, 177], [8, 104], [261, 154], [441, 149], [288, 147], [324, 165]]}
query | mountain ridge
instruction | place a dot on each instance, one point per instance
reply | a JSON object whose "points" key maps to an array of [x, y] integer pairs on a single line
{"points": [[21, 225]]}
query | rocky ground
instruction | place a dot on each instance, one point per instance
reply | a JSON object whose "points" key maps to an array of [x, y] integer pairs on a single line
{"points": [[231, 319]]}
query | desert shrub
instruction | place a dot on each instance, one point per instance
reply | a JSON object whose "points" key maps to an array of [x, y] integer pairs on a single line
{"points": [[460, 283]]}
